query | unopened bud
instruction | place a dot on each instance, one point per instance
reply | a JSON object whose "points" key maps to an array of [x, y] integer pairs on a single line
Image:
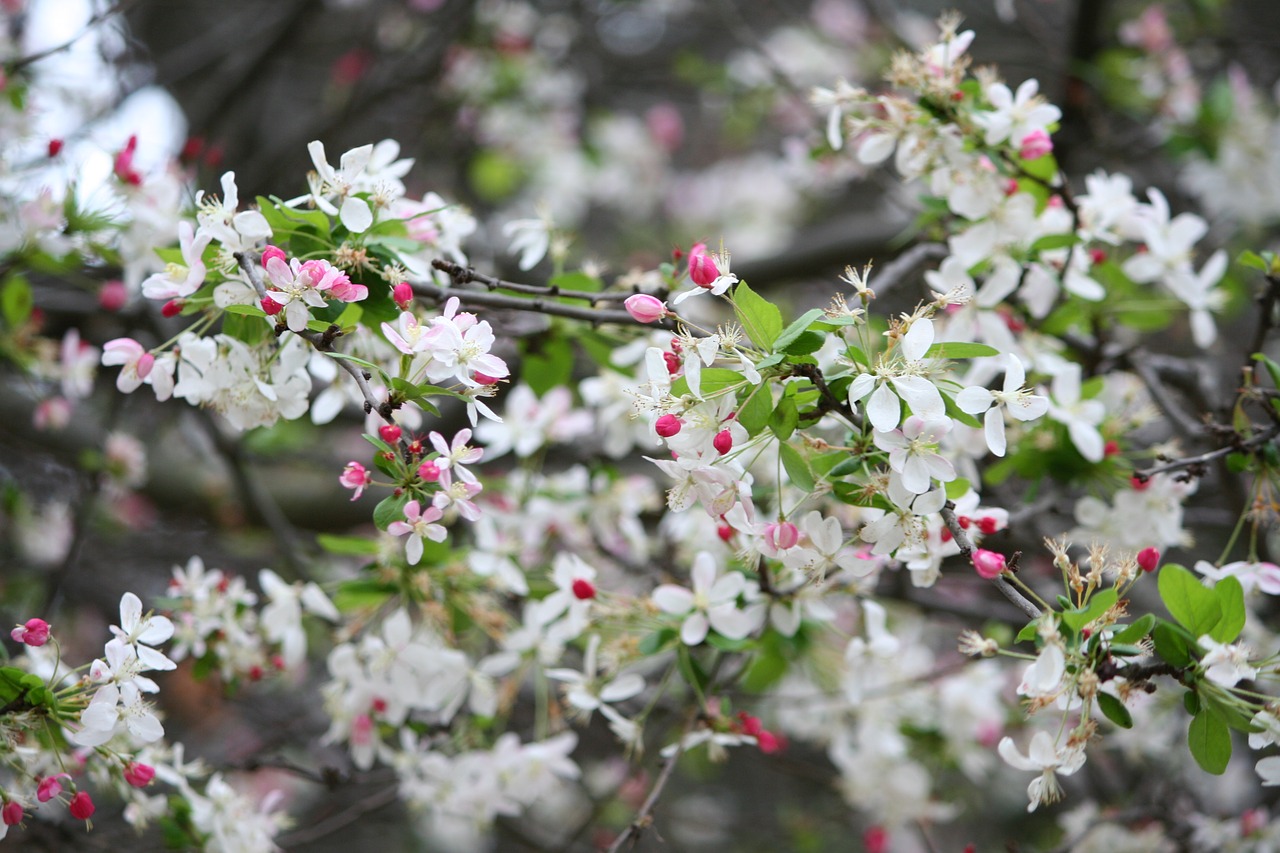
{"points": [[988, 564], [644, 308], [583, 589], [172, 308], [113, 295], [273, 252], [390, 433], [270, 306], [667, 426], [1035, 145], [402, 293], [1148, 559], [702, 266], [723, 442]]}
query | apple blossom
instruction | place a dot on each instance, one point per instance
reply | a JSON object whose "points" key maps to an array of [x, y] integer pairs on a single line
{"points": [[34, 632], [419, 524], [645, 308]]}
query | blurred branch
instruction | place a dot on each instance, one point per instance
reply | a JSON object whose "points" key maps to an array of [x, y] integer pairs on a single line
{"points": [[961, 537], [95, 20], [644, 817]]}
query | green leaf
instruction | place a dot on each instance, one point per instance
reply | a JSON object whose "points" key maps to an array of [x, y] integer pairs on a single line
{"points": [[797, 328], [712, 379], [784, 418], [1134, 632], [548, 362], [576, 281], [347, 545], [960, 349], [754, 413], [1029, 632], [856, 355], [656, 642], [1099, 604], [807, 343], [956, 488], [1194, 605], [1273, 369], [1210, 741], [797, 469], [760, 318], [1253, 260], [390, 509], [1230, 595], [246, 310], [361, 594], [1044, 168], [1172, 644], [1114, 710], [764, 670], [16, 300], [1054, 241], [691, 670]]}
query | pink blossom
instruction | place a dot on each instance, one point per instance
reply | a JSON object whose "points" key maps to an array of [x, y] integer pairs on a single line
{"points": [[355, 476], [723, 442], [418, 524], [583, 589], [390, 433], [781, 536], [35, 632], [123, 166], [81, 806], [667, 426], [645, 308], [1035, 145], [136, 361], [702, 266], [402, 295], [49, 787], [139, 775], [988, 564], [1148, 559], [12, 813]]}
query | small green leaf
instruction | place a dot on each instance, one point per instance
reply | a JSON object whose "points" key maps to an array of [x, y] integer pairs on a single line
{"points": [[16, 301], [1172, 644], [1028, 632], [764, 670], [801, 325], [247, 311], [1134, 632], [760, 318], [797, 469], [548, 362], [356, 546], [691, 670], [1194, 605], [1230, 595], [1272, 368], [1210, 741], [1252, 260], [1114, 710], [784, 418], [805, 344], [390, 509], [361, 594], [956, 488], [960, 349], [1050, 242], [755, 410], [1099, 604], [656, 642]]}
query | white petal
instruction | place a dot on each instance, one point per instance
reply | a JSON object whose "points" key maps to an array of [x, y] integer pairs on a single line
{"points": [[993, 428], [356, 216]]}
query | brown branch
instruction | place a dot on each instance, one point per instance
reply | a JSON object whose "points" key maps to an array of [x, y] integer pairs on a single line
{"points": [[1197, 462], [961, 537], [465, 275], [644, 816], [486, 299]]}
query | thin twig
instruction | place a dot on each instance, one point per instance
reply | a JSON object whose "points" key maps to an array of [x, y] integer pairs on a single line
{"points": [[1188, 426], [1258, 440], [350, 815], [961, 537], [465, 275], [538, 306], [119, 8], [644, 817]]}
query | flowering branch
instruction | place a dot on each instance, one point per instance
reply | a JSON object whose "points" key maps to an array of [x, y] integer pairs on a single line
{"points": [[1196, 463], [644, 817], [961, 537]]}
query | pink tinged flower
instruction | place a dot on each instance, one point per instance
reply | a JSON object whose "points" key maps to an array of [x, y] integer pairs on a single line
{"points": [[52, 413], [457, 453], [702, 266], [457, 494], [49, 787], [35, 632], [390, 433], [419, 524], [12, 813], [429, 472], [1148, 559], [667, 426], [136, 361], [402, 295], [912, 453], [781, 535], [139, 775], [81, 806], [988, 564], [123, 165], [644, 308], [1035, 145], [355, 476], [273, 252], [1262, 576], [180, 280]]}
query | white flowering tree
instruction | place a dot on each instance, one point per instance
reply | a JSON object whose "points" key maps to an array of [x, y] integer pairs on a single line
{"points": [[923, 534]]}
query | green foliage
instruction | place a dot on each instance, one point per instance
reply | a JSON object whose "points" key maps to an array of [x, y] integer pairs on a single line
{"points": [[1209, 739], [760, 318]]}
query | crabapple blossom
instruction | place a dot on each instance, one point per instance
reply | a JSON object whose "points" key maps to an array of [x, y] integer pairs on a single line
{"points": [[418, 524], [457, 454], [180, 280], [282, 616], [1252, 575], [33, 632], [1012, 398], [140, 635], [136, 362], [711, 604], [912, 453], [900, 379], [1016, 115], [355, 476], [1046, 758], [645, 308], [1225, 663], [989, 564]]}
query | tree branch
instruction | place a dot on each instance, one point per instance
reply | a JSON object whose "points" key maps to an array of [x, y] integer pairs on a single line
{"points": [[644, 816], [961, 537]]}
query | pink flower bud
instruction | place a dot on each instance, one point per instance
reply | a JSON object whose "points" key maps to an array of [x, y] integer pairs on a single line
{"points": [[725, 532], [273, 252], [429, 471], [583, 589], [172, 308], [1148, 559], [702, 266], [139, 775], [113, 295], [723, 442], [644, 308], [402, 294], [989, 564], [876, 839], [390, 433], [48, 788], [12, 813], [667, 426], [1035, 145], [81, 806], [270, 307], [484, 378], [781, 535], [55, 147], [355, 476], [665, 125], [768, 742], [34, 633]]}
